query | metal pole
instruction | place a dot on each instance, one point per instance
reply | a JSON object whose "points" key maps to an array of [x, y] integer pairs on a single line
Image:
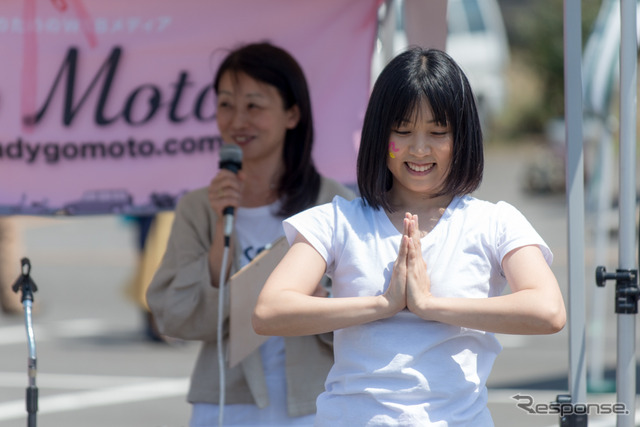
{"points": [[626, 367], [599, 302], [32, 390], [27, 286], [575, 199]]}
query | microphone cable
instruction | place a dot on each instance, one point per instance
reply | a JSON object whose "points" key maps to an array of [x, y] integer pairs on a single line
{"points": [[230, 159], [221, 297]]}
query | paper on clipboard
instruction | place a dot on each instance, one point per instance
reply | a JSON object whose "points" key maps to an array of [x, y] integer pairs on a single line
{"points": [[244, 287]]}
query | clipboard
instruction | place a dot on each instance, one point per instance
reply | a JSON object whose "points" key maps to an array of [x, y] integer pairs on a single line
{"points": [[244, 287]]}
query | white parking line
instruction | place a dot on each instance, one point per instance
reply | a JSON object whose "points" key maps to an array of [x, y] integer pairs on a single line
{"points": [[71, 381], [512, 341], [149, 390], [10, 335]]}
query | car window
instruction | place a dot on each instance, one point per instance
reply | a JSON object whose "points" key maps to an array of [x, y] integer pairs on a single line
{"points": [[456, 20], [474, 16], [465, 16]]}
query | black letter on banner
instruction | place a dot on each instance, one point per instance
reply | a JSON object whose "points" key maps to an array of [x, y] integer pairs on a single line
{"points": [[154, 104], [70, 110], [173, 105], [202, 101]]}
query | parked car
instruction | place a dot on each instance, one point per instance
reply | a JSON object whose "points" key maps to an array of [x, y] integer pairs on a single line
{"points": [[100, 201], [476, 39]]}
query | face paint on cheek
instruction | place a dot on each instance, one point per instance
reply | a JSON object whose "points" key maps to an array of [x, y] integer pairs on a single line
{"points": [[392, 148]]}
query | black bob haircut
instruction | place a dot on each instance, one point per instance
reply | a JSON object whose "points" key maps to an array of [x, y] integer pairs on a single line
{"points": [[299, 185], [413, 76]]}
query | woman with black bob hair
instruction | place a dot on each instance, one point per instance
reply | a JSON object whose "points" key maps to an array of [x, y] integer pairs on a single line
{"points": [[400, 90], [263, 106], [415, 304]]}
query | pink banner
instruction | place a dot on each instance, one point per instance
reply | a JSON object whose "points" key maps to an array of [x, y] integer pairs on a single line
{"points": [[107, 106]]}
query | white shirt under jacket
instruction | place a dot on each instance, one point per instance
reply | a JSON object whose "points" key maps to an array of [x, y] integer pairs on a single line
{"points": [[405, 371]]}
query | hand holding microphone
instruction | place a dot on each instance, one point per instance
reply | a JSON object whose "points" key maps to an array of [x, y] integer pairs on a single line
{"points": [[225, 190]]}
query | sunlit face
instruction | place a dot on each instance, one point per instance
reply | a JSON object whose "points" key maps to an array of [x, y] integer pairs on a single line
{"points": [[251, 114], [420, 151]]}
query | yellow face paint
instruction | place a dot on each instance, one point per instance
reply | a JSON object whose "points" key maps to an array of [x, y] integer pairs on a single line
{"points": [[392, 148]]}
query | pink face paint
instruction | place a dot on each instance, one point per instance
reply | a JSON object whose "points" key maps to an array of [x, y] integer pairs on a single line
{"points": [[392, 148]]}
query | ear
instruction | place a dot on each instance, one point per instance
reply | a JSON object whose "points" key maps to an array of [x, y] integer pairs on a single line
{"points": [[293, 117]]}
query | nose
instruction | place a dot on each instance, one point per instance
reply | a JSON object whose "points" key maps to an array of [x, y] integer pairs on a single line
{"points": [[238, 119], [421, 145]]}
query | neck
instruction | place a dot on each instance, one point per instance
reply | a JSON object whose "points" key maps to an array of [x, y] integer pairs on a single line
{"points": [[429, 210], [261, 184], [416, 203]]}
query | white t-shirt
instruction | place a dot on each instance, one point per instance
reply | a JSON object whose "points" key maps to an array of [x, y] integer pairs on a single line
{"points": [[405, 371], [255, 229]]}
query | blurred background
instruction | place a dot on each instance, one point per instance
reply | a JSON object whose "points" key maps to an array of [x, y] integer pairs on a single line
{"points": [[100, 365]]}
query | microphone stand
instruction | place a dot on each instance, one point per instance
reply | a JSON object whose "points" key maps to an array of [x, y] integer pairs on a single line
{"points": [[25, 284]]}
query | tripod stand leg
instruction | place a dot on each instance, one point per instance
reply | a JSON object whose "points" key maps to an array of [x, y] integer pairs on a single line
{"points": [[32, 390], [32, 405]]}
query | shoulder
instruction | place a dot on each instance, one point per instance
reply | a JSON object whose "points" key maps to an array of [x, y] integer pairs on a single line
{"points": [[488, 216], [195, 204], [330, 188], [477, 207], [341, 212], [336, 209], [194, 198]]}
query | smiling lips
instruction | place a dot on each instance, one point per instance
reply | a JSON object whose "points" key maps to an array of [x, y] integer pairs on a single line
{"points": [[420, 168], [241, 139]]}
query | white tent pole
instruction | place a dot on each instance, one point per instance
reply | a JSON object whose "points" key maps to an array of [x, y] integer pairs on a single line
{"points": [[600, 76], [600, 304], [626, 367], [575, 198]]}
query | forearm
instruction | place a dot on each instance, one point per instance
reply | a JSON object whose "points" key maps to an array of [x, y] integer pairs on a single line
{"points": [[184, 303], [526, 312], [296, 314]]}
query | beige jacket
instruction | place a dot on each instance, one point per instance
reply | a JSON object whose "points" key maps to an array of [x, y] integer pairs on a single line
{"points": [[185, 306]]}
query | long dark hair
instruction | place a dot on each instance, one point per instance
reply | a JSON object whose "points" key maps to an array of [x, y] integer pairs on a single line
{"points": [[300, 183], [415, 75]]}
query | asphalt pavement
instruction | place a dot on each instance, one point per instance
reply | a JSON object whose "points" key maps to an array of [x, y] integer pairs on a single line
{"points": [[96, 369]]}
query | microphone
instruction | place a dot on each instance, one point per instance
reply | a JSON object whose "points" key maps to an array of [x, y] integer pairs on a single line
{"points": [[230, 159]]}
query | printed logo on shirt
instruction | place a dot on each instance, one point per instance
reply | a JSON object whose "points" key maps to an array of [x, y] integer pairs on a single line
{"points": [[250, 252]]}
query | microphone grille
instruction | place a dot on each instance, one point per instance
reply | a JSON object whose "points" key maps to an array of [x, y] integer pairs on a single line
{"points": [[230, 153]]}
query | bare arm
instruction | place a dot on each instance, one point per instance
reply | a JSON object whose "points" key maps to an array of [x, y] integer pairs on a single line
{"points": [[534, 306], [286, 308]]}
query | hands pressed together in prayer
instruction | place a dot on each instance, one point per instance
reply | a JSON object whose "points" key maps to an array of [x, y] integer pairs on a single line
{"points": [[410, 286]]}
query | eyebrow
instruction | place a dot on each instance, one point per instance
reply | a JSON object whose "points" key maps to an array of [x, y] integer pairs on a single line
{"points": [[249, 95], [409, 122]]}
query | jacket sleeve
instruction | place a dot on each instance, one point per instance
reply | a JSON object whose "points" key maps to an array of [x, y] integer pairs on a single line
{"points": [[180, 296]]}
